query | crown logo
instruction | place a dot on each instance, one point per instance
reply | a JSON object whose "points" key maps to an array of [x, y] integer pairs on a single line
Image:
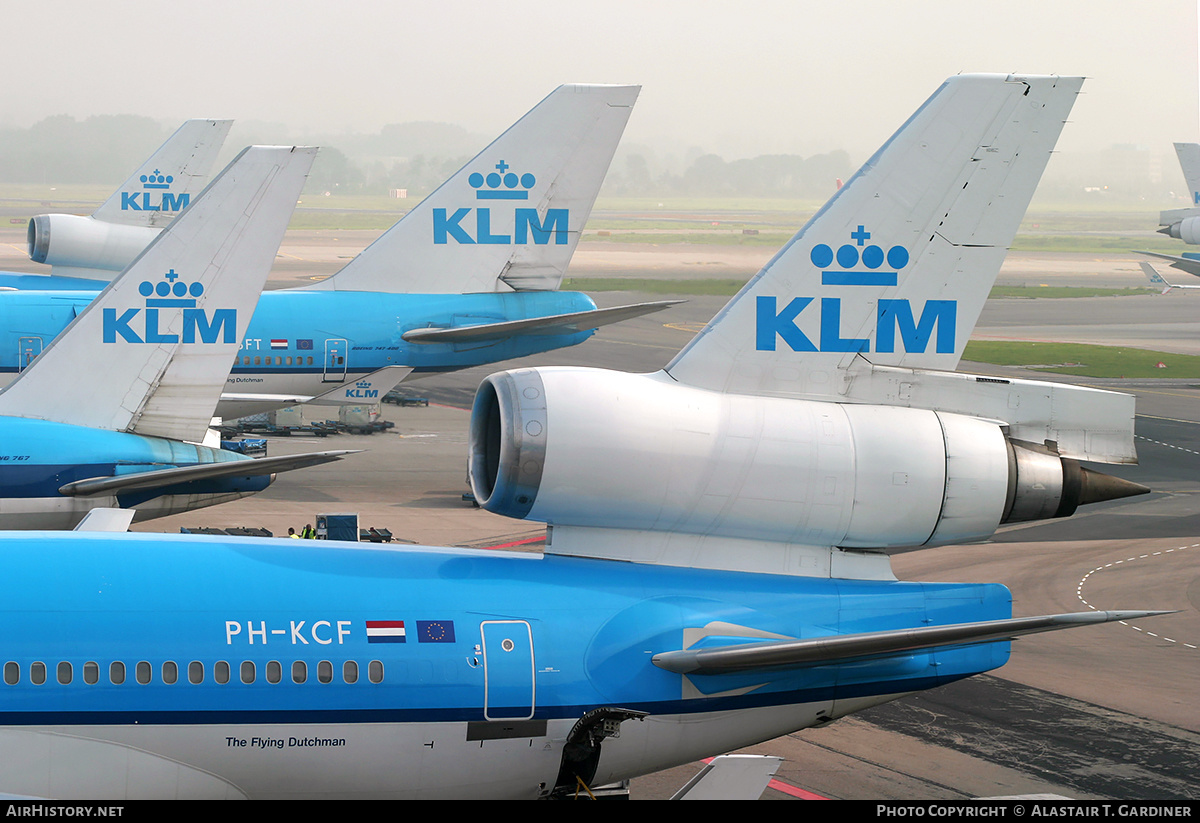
{"points": [[848, 257], [156, 180], [363, 384], [171, 292], [502, 177]]}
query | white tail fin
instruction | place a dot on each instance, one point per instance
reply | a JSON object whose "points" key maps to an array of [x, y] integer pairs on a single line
{"points": [[173, 175], [512, 217], [1189, 161], [151, 353], [896, 267]]}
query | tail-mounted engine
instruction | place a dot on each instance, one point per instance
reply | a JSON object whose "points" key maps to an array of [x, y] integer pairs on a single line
{"points": [[85, 242], [603, 449]]}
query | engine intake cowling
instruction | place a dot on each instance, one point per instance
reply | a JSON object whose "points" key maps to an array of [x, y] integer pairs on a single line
{"points": [[85, 242]]}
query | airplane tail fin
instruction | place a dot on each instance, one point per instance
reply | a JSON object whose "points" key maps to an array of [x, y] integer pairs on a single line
{"points": [[512, 217], [1189, 162], [174, 174], [893, 270], [151, 353]]}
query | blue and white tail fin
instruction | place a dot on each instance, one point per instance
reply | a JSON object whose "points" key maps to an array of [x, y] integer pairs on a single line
{"points": [[1189, 162], [512, 217], [167, 182], [95, 248], [893, 270], [150, 355]]}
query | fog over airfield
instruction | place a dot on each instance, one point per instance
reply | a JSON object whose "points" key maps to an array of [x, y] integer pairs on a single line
{"points": [[734, 79]]}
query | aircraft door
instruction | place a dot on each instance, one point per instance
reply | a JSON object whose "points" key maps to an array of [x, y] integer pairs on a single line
{"points": [[508, 670], [27, 349], [335, 361]]}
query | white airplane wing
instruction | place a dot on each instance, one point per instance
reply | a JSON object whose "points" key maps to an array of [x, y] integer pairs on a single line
{"points": [[205, 471], [554, 324], [1188, 265]]}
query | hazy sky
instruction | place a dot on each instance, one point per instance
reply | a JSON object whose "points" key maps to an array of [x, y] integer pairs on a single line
{"points": [[735, 78]]}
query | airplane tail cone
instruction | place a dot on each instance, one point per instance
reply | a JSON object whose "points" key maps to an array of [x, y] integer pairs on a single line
{"points": [[1098, 487], [1083, 486], [1164, 230]]}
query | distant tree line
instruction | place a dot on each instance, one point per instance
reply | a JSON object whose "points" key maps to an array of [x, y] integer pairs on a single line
{"points": [[63, 150], [420, 156], [769, 175]]}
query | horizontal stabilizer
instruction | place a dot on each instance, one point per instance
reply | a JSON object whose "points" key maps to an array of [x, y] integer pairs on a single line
{"points": [[819, 651], [205, 471], [1189, 265], [554, 324], [106, 520]]}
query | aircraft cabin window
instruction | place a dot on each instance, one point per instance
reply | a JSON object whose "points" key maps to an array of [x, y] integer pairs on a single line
{"points": [[289, 360], [309, 361], [142, 672], [375, 671], [170, 672], [299, 672], [64, 673], [257, 361], [247, 671], [221, 672], [116, 672], [325, 672], [37, 673], [246, 360], [195, 672], [274, 671], [12, 673], [91, 673], [350, 671]]}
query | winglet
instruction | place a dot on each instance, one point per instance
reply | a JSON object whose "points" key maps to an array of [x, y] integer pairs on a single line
{"points": [[896, 267], [512, 217], [106, 520], [173, 175], [151, 353], [1155, 278]]}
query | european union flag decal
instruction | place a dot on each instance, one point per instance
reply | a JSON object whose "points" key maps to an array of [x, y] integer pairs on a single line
{"points": [[435, 631]]}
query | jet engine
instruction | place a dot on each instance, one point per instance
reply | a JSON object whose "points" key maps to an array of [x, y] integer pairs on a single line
{"points": [[596, 448], [1187, 230], [85, 242]]}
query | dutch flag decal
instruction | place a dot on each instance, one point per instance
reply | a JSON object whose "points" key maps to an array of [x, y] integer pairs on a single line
{"points": [[385, 631]]}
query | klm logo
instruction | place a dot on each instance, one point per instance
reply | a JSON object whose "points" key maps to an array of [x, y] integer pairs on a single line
{"points": [[501, 184], [362, 390], [145, 325], [155, 195], [894, 317]]}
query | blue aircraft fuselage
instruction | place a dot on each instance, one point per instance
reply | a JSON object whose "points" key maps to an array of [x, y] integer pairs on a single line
{"points": [[39, 457], [305, 342], [284, 668]]}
